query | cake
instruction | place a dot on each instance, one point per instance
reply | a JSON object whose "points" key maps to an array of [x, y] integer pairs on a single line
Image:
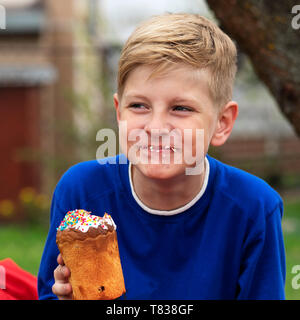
{"points": [[89, 247]]}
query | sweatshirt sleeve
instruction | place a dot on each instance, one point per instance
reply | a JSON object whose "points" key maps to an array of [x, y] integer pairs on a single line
{"points": [[49, 257], [262, 273]]}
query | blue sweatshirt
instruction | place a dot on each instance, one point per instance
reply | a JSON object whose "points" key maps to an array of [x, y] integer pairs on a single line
{"points": [[227, 245]]}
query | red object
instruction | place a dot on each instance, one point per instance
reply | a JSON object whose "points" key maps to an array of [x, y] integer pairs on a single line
{"points": [[16, 283]]}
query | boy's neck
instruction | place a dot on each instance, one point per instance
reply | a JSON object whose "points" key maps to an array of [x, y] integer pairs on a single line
{"points": [[166, 195]]}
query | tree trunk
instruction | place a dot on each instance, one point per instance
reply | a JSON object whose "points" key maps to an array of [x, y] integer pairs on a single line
{"points": [[263, 30]]}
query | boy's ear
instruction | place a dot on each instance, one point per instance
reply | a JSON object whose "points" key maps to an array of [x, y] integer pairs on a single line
{"points": [[117, 106], [225, 123]]}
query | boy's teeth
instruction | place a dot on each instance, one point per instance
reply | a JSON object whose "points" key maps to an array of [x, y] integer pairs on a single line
{"points": [[157, 149]]}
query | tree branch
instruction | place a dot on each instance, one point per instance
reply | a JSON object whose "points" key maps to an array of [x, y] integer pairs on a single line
{"points": [[263, 30]]}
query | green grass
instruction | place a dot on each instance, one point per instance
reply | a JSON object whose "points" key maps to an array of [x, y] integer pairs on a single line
{"points": [[25, 244], [291, 232]]}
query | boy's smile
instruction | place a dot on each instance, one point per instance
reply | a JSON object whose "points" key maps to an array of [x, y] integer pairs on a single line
{"points": [[162, 113]]}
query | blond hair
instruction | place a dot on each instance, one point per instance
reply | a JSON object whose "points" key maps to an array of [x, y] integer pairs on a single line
{"points": [[191, 39]]}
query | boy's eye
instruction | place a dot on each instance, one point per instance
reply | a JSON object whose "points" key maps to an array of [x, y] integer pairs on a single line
{"points": [[181, 108], [137, 106]]}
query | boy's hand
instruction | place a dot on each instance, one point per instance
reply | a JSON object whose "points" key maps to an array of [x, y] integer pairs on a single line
{"points": [[62, 288]]}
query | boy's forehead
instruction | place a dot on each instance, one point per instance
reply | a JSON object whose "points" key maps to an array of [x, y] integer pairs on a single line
{"points": [[178, 83], [185, 74]]}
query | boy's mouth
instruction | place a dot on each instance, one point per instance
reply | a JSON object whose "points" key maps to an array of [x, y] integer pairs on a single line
{"points": [[158, 149]]}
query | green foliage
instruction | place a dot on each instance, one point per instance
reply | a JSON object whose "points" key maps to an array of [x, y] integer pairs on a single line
{"points": [[33, 206]]}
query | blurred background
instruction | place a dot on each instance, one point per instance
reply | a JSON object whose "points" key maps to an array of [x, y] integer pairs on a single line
{"points": [[58, 65]]}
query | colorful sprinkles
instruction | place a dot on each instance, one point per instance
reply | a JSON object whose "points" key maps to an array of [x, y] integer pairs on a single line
{"points": [[83, 220]]}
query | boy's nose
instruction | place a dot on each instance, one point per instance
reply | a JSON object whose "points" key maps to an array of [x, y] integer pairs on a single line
{"points": [[158, 123]]}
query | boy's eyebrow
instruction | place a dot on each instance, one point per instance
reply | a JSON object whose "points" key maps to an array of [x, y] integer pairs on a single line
{"points": [[134, 96], [184, 99], [173, 100]]}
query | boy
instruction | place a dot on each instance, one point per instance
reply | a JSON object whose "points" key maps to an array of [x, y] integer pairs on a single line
{"points": [[210, 233]]}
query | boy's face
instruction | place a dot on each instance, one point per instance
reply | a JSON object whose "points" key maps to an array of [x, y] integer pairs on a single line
{"points": [[161, 115]]}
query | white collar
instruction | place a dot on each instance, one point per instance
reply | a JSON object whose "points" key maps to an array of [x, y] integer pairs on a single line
{"points": [[175, 211]]}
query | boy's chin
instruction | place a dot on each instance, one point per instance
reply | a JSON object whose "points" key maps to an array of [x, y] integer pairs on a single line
{"points": [[161, 171]]}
